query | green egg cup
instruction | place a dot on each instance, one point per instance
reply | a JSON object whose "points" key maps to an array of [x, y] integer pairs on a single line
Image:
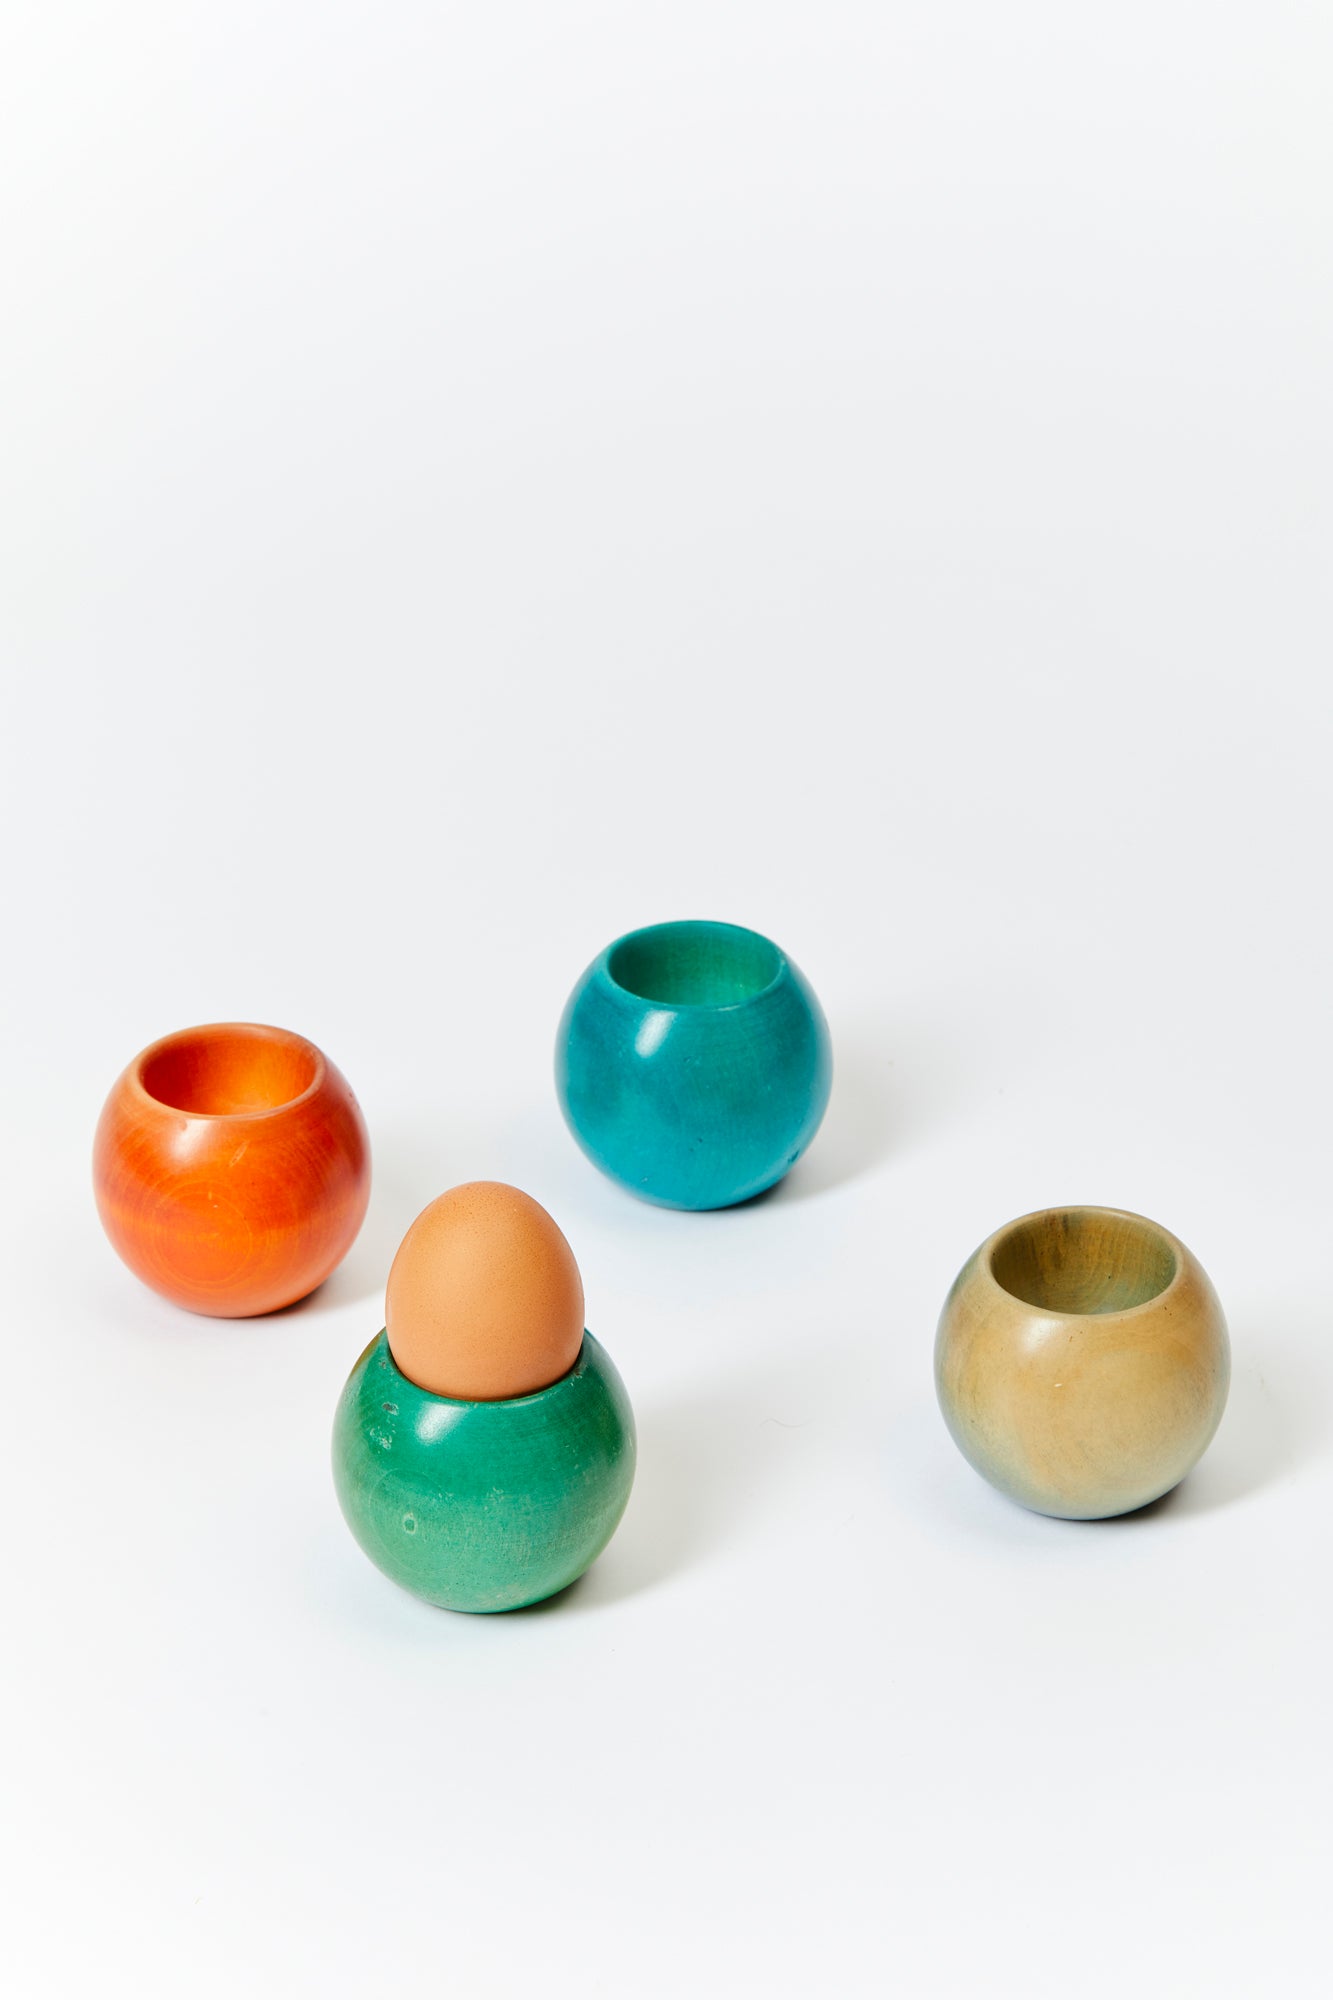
{"points": [[483, 1506]]}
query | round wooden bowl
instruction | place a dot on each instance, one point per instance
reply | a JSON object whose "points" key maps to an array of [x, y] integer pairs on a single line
{"points": [[483, 1506], [1082, 1361], [231, 1168], [693, 1064]]}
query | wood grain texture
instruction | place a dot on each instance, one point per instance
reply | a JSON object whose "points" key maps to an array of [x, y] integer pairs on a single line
{"points": [[1082, 1361], [483, 1506], [231, 1168]]}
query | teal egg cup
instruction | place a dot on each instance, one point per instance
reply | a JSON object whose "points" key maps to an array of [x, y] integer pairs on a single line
{"points": [[693, 1064], [483, 1506]]}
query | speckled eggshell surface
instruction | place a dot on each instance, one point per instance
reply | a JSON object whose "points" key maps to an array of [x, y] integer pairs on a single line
{"points": [[484, 1299]]}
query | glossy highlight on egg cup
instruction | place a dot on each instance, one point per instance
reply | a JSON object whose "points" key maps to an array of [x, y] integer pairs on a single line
{"points": [[499, 1495], [1082, 1361], [231, 1168], [693, 1064]]}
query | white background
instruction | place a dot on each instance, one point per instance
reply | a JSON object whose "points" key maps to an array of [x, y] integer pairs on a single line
{"points": [[476, 479]]}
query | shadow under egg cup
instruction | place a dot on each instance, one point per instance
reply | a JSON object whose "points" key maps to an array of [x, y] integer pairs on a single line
{"points": [[693, 1064], [1082, 1361], [483, 1506]]}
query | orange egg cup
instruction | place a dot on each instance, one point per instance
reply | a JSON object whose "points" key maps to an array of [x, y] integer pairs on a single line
{"points": [[232, 1168]]}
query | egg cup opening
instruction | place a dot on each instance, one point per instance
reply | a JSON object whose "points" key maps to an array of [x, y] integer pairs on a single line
{"points": [[694, 964], [229, 1069], [1083, 1262]]}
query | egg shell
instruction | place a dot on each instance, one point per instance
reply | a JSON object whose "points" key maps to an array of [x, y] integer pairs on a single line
{"points": [[484, 1299]]}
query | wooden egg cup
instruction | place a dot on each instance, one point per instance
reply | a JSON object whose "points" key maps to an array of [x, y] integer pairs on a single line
{"points": [[1082, 1361], [483, 1506], [231, 1168], [693, 1064]]}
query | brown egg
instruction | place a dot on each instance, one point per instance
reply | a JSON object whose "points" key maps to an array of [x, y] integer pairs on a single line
{"points": [[485, 1299]]}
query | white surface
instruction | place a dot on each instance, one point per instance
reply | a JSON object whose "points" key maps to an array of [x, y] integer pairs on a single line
{"points": [[477, 479]]}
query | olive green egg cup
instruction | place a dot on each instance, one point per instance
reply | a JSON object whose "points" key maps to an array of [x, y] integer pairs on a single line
{"points": [[483, 1506], [1082, 1361]]}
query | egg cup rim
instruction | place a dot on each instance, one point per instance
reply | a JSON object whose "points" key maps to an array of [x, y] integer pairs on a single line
{"points": [[1185, 1263], [132, 1076], [602, 965], [572, 1374]]}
